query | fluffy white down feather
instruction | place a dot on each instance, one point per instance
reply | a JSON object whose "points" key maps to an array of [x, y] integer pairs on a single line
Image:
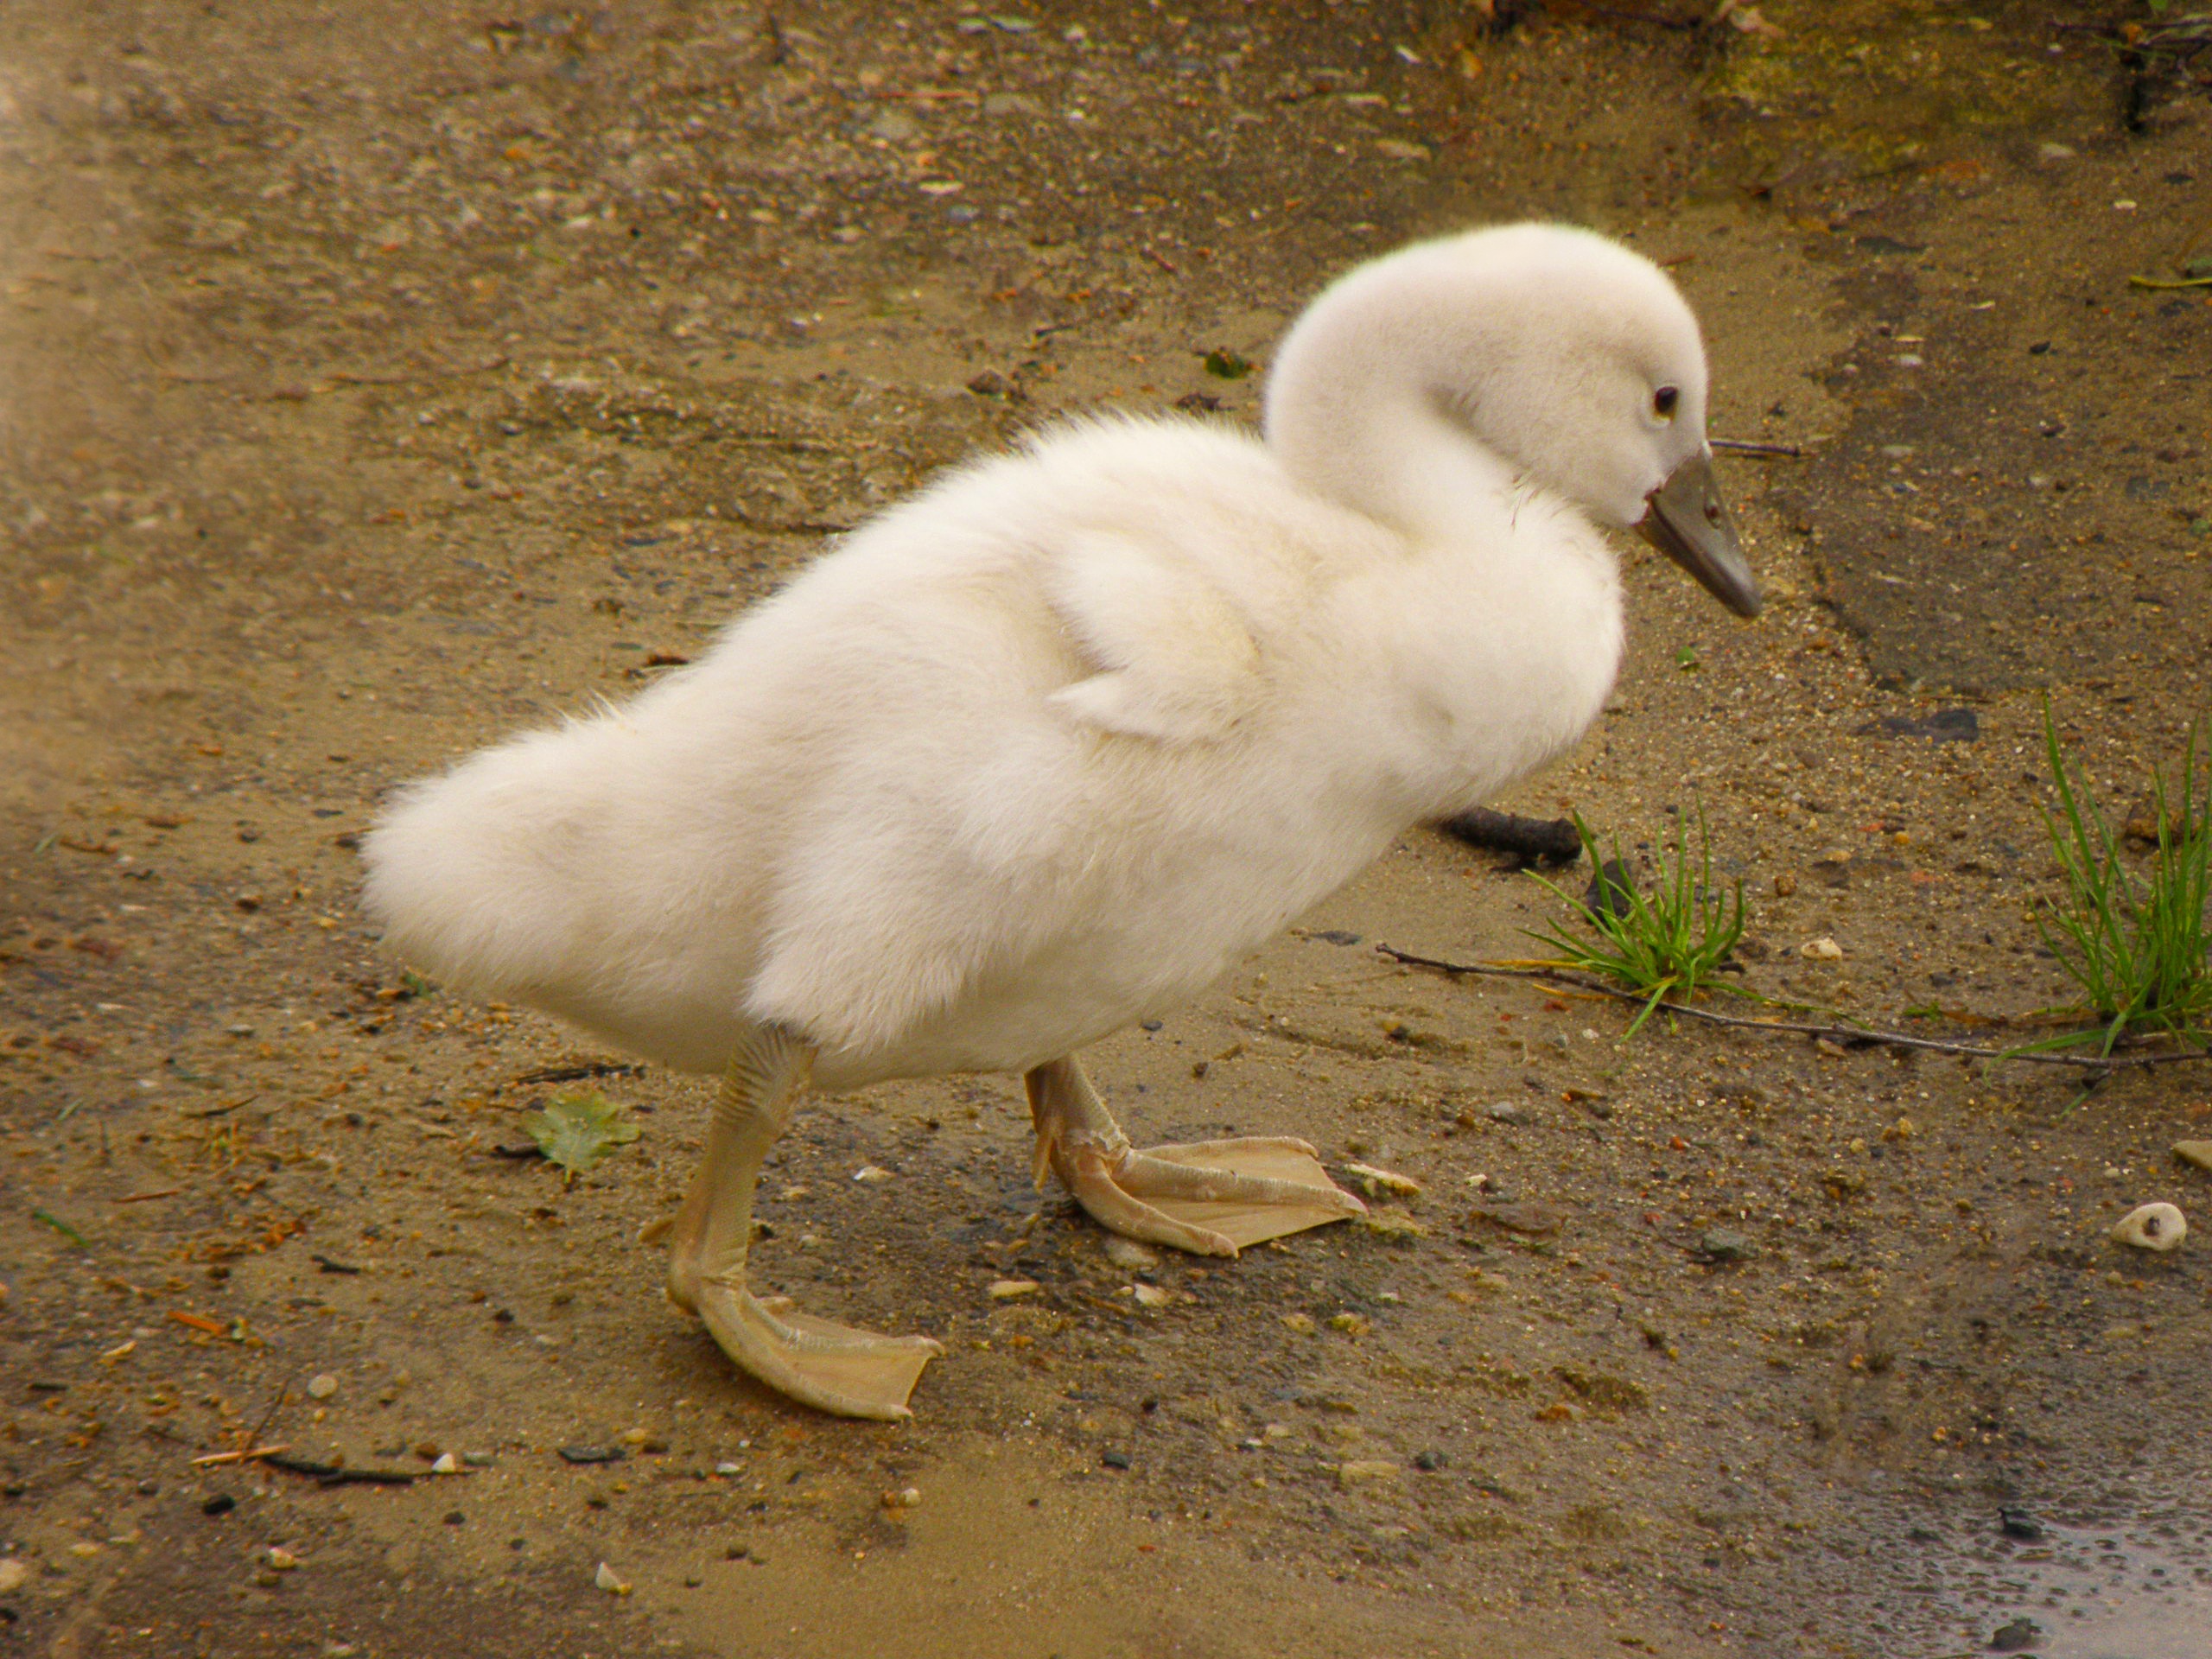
{"points": [[1045, 749]]}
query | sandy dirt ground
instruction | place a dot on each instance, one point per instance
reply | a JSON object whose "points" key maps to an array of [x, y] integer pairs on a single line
{"points": [[377, 379]]}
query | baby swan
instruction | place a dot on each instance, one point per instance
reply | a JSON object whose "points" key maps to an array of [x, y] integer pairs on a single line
{"points": [[1044, 750]]}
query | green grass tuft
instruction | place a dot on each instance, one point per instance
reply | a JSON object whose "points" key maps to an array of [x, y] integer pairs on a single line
{"points": [[2135, 942], [1671, 940]]}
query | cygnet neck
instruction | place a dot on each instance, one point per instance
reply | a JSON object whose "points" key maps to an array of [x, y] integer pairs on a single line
{"points": [[1389, 455], [1354, 413]]}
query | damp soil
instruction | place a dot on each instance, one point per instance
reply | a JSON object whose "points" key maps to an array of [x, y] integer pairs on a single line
{"points": [[380, 379]]}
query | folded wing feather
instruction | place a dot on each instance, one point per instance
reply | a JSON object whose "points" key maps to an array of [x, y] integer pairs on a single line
{"points": [[1175, 656]]}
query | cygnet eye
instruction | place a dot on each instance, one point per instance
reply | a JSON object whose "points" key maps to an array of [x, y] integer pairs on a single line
{"points": [[1664, 402]]}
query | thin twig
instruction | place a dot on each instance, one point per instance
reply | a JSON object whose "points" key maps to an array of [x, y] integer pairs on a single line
{"points": [[1854, 1034], [579, 1071], [1745, 446], [214, 1459], [2161, 282], [268, 1417], [332, 1474]]}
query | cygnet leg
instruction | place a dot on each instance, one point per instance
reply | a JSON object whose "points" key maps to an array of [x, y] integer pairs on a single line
{"points": [[831, 1367], [1212, 1197]]}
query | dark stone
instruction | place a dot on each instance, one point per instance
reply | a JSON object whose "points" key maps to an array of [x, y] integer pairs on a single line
{"points": [[1725, 1244], [1534, 1219], [2019, 1636], [221, 1503], [1611, 890], [593, 1454], [1114, 1460], [2018, 1523], [1944, 726]]}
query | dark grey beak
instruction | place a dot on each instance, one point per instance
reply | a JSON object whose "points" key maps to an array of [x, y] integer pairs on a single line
{"points": [[1684, 519]]}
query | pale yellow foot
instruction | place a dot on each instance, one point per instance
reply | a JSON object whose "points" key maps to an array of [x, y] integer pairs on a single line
{"points": [[1212, 1198], [831, 1367], [818, 1362]]}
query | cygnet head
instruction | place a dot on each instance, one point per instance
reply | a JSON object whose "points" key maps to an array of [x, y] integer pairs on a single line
{"points": [[1552, 353]]}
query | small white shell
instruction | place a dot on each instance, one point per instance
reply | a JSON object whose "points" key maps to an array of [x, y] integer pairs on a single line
{"points": [[2152, 1227], [1821, 949]]}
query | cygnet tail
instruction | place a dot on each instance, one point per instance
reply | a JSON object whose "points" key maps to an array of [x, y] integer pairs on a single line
{"points": [[485, 878]]}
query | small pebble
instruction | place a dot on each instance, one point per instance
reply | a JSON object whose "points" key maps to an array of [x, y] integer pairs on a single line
{"points": [[1153, 1295], [607, 1579], [592, 1454], [2152, 1227], [2198, 1153], [221, 1503], [1129, 1256], [1301, 1323], [447, 1465], [1823, 949], [1534, 1219], [454, 1518], [1004, 1290], [322, 1386], [1365, 1471], [1508, 1111], [906, 1498], [13, 1575], [1724, 1244], [872, 1174], [2016, 1637], [1114, 1460], [1352, 1325], [281, 1559], [2018, 1523], [1395, 1225], [1383, 1181]]}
